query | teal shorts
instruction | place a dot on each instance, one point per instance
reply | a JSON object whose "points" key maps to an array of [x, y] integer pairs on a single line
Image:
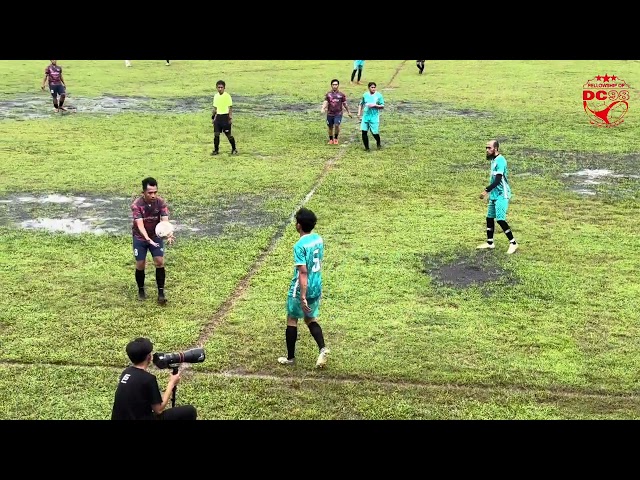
{"points": [[373, 125], [358, 64], [294, 308], [497, 208]]}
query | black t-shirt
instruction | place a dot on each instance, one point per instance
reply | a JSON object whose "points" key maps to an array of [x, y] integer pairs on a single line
{"points": [[137, 391]]}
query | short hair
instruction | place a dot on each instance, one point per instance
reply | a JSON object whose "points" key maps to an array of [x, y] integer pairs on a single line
{"points": [[372, 84], [221, 82], [495, 144], [138, 349], [149, 181], [335, 80], [307, 219]]}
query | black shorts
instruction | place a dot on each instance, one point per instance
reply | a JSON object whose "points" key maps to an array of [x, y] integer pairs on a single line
{"points": [[57, 90], [221, 124]]}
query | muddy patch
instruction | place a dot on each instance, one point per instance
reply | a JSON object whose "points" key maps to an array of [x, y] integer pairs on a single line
{"points": [[75, 214], [615, 176], [34, 107], [479, 269], [433, 109], [40, 106]]}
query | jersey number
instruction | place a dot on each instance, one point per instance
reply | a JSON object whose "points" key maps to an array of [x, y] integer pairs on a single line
{"points": [[316, 261]]}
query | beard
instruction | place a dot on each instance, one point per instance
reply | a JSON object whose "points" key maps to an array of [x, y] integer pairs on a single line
{"points": [[490, 156]]}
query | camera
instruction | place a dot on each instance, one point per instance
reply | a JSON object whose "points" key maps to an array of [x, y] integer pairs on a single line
{"points": [[172, 360]]}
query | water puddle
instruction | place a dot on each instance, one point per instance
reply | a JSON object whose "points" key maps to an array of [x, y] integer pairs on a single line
{"points": [[467, 271], [76, 214]]}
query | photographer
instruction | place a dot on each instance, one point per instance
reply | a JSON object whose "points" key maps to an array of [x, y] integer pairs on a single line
{"points": [[138, 395]]}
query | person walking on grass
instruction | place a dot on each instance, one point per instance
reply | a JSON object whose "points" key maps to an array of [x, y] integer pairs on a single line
{"points": [[222, 118], [358, 66], [334, 102], [57, 87], [499, 192], [371, 104], [305, 290]]}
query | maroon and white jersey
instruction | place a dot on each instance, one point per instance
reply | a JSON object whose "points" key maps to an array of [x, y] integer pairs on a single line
{"points": [[150, 213], [55, 74]]}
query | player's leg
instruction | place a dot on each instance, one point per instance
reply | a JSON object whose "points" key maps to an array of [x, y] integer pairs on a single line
{"points": [[217, 128], [54, 95], [232, 141], [353, 74], [364, 128], [62, 92], [337, 120], [158, 261], [491, 215], [294, 312], [502, 205], [311, 319], [127, 63], [375, 131], [330, 120], [140, 249], [359, 74]]}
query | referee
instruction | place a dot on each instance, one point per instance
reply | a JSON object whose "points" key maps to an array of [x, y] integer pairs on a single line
{"points": [[222, 118]]}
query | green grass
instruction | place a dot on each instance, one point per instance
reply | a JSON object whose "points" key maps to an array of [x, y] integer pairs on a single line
{"points": [[558, 338]]}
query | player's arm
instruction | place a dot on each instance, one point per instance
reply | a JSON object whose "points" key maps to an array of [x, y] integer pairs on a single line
{"points": [[213, 113], [494, 184], [230, 113], [303, 276], [360, 105], [345, 106], [62, 79], [44, 80], [143, 231], [325, 104], [380, 103]]}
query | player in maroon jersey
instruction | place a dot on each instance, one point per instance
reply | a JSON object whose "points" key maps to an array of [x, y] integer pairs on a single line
{"points": [[148, 210], [57, 87], [334, 102]]}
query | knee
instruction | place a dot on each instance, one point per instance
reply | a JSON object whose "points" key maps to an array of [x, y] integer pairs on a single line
{"points": [[190, 412], [141, 264], [216, 134], [159, 262]]}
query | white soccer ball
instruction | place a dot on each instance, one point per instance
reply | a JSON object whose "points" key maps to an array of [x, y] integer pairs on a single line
{"points": [[164, 229]]}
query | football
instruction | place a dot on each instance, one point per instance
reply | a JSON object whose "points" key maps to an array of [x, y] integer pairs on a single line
{"points": [[164, 229]]}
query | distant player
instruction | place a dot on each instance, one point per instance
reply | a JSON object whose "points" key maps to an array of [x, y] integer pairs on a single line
{"points": [[334, 102], [371, 104], [148, 210], [305, 290], [57, 87], [420, 65], [499, 193], [222, 118], [358, 66]]}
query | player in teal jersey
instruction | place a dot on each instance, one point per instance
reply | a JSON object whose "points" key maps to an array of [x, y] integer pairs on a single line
{"points": [[499, 193], [303, 300], [358, 66], [371, 103]]}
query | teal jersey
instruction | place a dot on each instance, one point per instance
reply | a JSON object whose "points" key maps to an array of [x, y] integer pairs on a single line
{"points": [[309, 251], [371, 113], [503, 190]]}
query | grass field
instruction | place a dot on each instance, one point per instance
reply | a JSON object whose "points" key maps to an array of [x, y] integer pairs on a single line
{"points": [[421, 325]]}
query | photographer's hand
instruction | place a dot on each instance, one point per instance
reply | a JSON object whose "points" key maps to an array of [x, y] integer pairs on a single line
{"points": [[174, 379]]}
